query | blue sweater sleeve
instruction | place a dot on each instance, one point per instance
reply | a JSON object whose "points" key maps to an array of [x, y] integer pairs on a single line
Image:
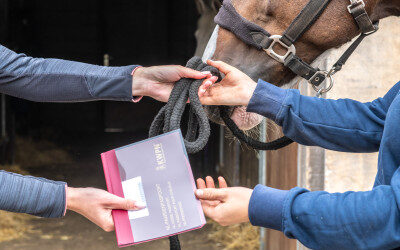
{"points": [[54, 80], [341, 125], [321, 220], [32, 195]]}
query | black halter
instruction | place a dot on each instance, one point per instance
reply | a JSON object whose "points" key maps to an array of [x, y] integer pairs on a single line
{"points": [[253, 35]]}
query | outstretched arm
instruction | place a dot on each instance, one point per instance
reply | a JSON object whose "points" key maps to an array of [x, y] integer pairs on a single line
{"points": [[51, 199], [342, 125], [319, 220], [54, 80]]}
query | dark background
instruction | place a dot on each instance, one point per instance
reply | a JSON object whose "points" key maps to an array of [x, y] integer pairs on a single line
{"points": [[130, 31]]}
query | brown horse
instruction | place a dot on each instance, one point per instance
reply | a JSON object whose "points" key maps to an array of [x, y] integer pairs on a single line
{"points": [[205, 25], [334, 28]]}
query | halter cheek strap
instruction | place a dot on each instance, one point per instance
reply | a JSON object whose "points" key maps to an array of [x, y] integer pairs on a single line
{"points": [[253, 35], [360, 15]]}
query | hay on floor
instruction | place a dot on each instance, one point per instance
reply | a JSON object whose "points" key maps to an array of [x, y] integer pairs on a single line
{"points": [[242, 236], [31, 153], [14, 226]]}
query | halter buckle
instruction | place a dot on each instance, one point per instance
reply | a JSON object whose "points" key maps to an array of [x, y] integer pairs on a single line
{"points": [[280, 58], [355, 3]]}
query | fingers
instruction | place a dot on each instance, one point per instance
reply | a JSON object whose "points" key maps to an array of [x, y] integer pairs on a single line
{"points": [[210, 182], [221, 66], [125, 204], [200, 183], [191, 73], [222, 182], [214, 95], [211, 194], [108, 224], [209, 210], [206, 84]]}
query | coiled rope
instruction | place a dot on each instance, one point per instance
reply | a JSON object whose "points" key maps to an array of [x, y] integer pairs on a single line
{"points": [[170, 116]]}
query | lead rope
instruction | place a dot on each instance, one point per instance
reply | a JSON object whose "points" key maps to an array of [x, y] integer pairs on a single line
{"points": [[170, 116]]}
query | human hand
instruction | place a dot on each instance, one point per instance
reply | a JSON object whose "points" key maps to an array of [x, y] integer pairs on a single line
{"points": [[157, 81], [96, 205], [226, 206], [236, 88]]}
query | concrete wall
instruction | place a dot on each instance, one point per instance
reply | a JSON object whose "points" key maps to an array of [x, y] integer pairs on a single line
{"points": [[369, 74], [371, 71]]}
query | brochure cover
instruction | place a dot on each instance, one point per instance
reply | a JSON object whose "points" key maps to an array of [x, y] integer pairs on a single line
{"points": [[156, 172]]}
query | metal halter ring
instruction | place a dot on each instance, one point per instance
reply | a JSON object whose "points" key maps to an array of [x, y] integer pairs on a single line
{"points": [[323, 90]]}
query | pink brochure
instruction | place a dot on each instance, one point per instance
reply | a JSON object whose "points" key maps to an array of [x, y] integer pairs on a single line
{"points": [[157, 173]]}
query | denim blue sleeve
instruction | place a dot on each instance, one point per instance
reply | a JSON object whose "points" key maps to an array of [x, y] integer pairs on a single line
{"points": [[54, 80], [32, 195], [341, 125], [266, 207]]}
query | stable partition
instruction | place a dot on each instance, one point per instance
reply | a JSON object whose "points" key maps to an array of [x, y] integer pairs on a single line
{"points": [[239, 164]]}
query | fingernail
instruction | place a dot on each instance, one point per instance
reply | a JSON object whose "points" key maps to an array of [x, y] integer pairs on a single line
{"points": [[140, 205], [206, 72], [208, 83], [199, 192]]}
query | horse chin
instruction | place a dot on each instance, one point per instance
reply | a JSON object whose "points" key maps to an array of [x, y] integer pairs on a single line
{"points": [[245, 120]]}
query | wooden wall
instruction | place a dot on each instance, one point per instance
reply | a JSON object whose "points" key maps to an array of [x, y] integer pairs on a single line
{"points": [[281, 174]]}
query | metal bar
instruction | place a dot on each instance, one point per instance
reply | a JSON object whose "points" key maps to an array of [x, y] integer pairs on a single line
{"points": [[3, 117], [236, 166], [262, 173], [221, 146]]}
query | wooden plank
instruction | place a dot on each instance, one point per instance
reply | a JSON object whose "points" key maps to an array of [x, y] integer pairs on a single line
{"points": [[282, 174]]}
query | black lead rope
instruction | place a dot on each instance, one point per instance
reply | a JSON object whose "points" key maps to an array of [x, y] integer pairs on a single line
{"points": [[170, 116], [259, 145]]}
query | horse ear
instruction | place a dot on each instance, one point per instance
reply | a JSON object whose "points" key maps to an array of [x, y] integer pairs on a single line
{"points": [[204, 6], [201, 6], [216, 5]]}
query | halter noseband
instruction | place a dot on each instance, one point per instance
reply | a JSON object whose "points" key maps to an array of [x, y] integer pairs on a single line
{"points": [[254, 35]]}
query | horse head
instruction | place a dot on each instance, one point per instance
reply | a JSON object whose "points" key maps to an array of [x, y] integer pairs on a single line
{"points": [[333, 28]]}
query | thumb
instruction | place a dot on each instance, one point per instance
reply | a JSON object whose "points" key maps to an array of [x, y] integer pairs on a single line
{"points": [[221, 66], [211, 194], [126, 204], [191, 73]]}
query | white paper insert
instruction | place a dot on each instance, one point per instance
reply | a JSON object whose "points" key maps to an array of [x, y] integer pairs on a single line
{"points": [[133, 189]]}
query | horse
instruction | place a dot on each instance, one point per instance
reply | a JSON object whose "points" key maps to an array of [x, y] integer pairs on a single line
{"points": [[205, 24], [334, 27]]}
